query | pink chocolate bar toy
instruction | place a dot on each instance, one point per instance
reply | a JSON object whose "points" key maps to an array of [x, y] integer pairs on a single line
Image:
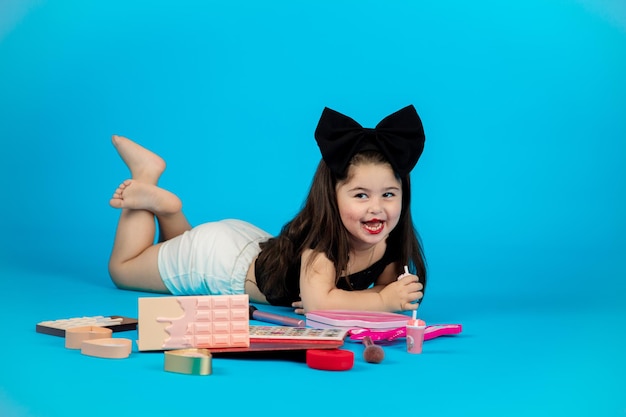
{"points": [[201, 321]]}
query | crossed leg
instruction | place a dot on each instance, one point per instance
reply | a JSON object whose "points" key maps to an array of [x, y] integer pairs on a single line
{"points": [[133, 261]]}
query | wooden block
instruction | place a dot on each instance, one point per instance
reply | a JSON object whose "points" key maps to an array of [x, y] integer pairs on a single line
{"points": [[188, 361], [75, 336], [118, 348]]}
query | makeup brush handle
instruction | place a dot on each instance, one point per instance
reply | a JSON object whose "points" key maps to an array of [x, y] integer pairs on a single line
{"points": [[275, 318], [367, 341]]}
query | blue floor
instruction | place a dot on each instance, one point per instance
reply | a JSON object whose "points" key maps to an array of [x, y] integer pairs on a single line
{"points": [[519, 196], [508, 361]]}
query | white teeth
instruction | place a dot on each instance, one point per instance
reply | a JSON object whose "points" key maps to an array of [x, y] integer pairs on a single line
{"points": [[373, 226]]}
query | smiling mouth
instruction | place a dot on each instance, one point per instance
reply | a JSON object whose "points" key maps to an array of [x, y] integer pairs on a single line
{"points": [[374, 226]]}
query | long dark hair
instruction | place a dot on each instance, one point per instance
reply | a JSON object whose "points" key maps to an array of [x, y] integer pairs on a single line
{"points": [[318, 227]]}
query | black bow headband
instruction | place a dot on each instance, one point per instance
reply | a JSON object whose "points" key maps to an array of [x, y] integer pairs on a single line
{"points": [[399, 136]]}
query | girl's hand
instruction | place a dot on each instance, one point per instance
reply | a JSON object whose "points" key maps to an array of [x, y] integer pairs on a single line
{"points": [[402, 294], [298, 307]]}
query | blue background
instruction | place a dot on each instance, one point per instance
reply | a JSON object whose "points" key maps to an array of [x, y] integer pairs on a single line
{"points": [[520, 194]]}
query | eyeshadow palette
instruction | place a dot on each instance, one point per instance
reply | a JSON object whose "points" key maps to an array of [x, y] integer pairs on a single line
{"points": [[58, 327]]}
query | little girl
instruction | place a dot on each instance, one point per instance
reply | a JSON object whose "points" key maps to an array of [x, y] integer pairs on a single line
{"points": [[348, 248]]}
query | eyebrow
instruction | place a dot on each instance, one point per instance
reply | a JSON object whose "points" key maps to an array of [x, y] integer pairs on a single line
{"points": [[359, 188]]}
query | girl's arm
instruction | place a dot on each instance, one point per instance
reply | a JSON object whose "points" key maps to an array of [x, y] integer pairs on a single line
{"points": [[319, 292], [388, 276]]}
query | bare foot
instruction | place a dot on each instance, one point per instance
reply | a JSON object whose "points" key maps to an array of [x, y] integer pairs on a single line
{"points": [[137, 195], [144, 165]]}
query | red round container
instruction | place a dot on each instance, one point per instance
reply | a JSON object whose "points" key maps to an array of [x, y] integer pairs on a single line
{"points": [[330, 359]]}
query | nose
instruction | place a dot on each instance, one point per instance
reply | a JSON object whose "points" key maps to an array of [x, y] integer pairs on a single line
{"points": [[375, 207]]}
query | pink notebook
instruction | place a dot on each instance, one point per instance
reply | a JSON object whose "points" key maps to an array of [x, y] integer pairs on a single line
{"points": [[350, 319]]}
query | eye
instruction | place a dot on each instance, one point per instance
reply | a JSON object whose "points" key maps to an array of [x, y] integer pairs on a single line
{"points": [[389, 194], [360, 195]]}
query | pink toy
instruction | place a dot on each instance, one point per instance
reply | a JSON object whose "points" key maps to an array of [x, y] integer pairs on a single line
{"points": [[349, 319], [415, 335], [430, 332], [380, 326]]}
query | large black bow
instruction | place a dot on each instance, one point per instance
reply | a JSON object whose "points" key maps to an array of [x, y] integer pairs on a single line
{"points": [[399, 136]]}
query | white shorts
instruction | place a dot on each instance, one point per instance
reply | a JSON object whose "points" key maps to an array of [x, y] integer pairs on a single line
{"points": [[210, 259]]}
